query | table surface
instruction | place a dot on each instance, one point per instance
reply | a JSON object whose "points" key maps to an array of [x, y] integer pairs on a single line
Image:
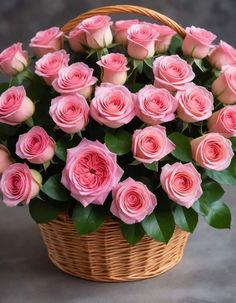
{"points": [[207, 273]]}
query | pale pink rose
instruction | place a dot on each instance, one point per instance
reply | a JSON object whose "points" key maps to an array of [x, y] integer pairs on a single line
{"points": [[91, 172], [197, 42], [5, 158], [151, 144], [196, 103], [77, 39], [155, 105], [224, 87], [172, 72], [222, 54], [47, 41], [13, 59], [224, 121], [182, 183], [15, 106], [114, 68], [76, 78], [19, 184], [132, 201], [49, 65], [98, 31], [141, 41], [120, 29], [113, 105], [212, 151], [36, 146], [70, 113]]}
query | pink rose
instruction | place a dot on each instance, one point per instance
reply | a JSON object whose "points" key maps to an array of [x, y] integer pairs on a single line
{"points": [[222, 54], [70, 113], [132, 201], [50, 64], [15, 106], [172, 72], [151, 144], [196, 103], [47, 41], [182, 183], [113, 105], [36, 146], [155, 105], [224, 87], [13, 59], [19, 184], [114, 68], [76, 78], [121, 28], [98, 31], [197, 42], [141, 41], [5, 158], [224, 121], [91, 172], [77, 39], [212, 151]]}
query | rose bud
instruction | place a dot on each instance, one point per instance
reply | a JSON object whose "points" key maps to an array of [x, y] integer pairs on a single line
{"points": [[77, 39], [47, 41], [15, 106], [212, 151], [19, 184], [197, 42], [13, 59], [120, 29], [5, 158], [182, 183], [36, 146], [222, 54], [132, 201], [114, 68]]}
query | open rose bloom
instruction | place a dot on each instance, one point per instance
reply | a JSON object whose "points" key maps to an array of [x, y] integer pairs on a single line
{"points": [[128, 120]]}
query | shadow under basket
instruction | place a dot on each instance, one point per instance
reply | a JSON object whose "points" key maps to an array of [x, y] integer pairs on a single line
{"points": [[105, 255]]}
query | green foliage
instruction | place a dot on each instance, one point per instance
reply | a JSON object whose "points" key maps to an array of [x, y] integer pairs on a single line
{"points": [[55, 190], [227, 176], [182, 150], [152, 166], [185, 218], [118, 143], [133, 233]]}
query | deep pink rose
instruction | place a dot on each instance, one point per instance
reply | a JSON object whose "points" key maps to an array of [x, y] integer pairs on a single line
{"points": [[19, 184], [36, 146], [70, 113], [76, 78], [224, 121], [155, 105], [212, 151], [197, 42], [132, 201], [98, 31], [196, 103], [222, 54], [224, 87], [113, 105], [77, 39], [120, 29], [13, 59], [5, 158], [141, 41], [114, 68], [172, 72], [47, 41], [15, 106], [50, 64], [91, 172], [182, 183]]}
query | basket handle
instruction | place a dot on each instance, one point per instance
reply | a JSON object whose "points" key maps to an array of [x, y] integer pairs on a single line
{"points": [[125, 9]]}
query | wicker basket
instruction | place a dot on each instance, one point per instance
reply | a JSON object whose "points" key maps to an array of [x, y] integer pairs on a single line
{"points": [[104, 255]]}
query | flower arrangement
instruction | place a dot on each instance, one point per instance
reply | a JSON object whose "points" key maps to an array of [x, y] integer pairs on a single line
{"points": [[123, 119]]}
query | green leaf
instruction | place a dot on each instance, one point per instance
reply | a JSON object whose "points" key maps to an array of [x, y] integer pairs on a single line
{"points": [[200, 64], [159, 225], [227, 176], [200, 208], [183, 149], [176, 45], [135, 163], [88, 219], [138, 64], [218, 215], [153, 166], [61, 150], [55, 190], [233, 140], [133, 233], [120, 143], [212, 191], [149, 62], [185, 218]]}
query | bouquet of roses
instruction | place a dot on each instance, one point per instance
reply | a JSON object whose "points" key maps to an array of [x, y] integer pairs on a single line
{"points": [[127, 120]]}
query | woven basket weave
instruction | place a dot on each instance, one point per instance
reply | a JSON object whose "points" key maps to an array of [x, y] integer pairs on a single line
{"points": [[104, 255]]}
